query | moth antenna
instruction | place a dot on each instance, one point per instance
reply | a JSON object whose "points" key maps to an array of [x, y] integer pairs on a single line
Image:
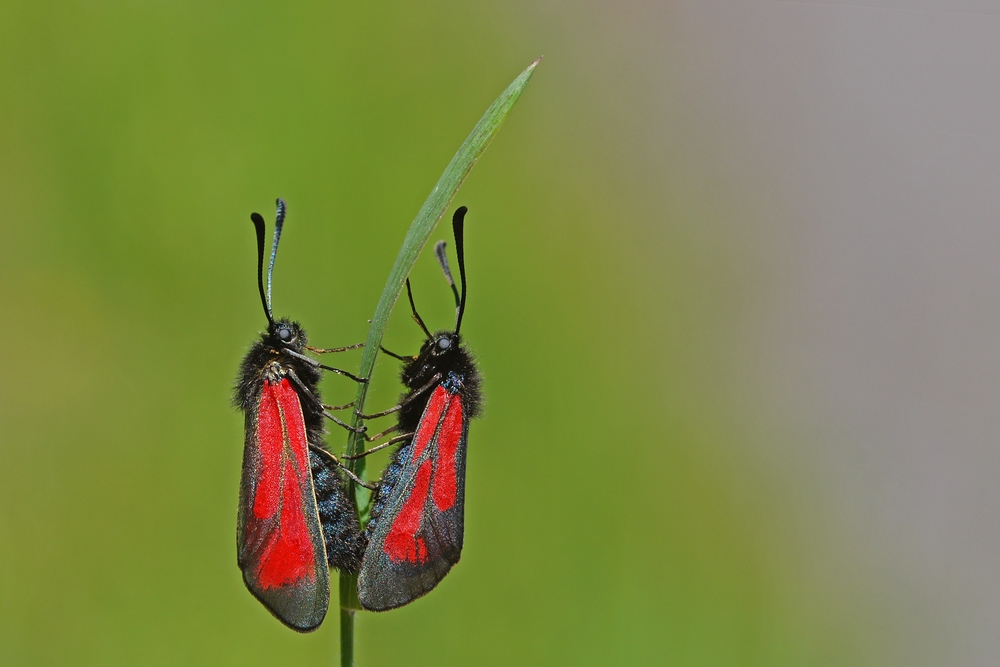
{"points": [[258, 223], [279, 222], [458, 227], [440, 250], [416, 315]]}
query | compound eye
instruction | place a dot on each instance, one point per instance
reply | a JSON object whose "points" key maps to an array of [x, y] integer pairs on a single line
{"points": [[285, 334], [444, 344]]}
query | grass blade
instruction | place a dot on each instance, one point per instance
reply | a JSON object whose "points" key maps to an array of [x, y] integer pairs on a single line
{"points": [[423, 226], [416, 237]]}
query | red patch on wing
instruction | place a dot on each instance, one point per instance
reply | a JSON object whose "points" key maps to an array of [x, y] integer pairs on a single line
{"points": [[429, 422], [271, 441], [287, 554], [445, 480], [402, 542]]}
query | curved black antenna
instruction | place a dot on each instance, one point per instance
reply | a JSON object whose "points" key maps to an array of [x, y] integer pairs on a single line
{"points": [[258, 223], [458, 227], [279, 221], [440, 250], [416, 316]]}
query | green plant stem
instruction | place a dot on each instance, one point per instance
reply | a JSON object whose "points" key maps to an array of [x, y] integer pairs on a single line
{"points": [[346, 637], [416, 237]]}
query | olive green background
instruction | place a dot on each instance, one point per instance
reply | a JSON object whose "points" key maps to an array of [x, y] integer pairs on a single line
{"points": [[627, 501]]}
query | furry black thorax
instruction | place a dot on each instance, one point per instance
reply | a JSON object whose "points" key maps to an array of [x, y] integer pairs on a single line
{"points": [[267, 361], [455, 361]]}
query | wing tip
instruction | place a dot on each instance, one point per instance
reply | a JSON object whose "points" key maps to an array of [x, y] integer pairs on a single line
{"points": [[304, 622], [379, 595]]}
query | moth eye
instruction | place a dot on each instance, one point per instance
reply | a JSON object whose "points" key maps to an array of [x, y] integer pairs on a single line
{"points": [[444, 343], [285, 334]]}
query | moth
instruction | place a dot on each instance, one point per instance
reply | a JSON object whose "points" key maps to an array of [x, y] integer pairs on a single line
{"points": [[295, 520], [417, 524]]}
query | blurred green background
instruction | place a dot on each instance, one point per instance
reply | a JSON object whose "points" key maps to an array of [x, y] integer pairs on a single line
{"points": [[621, 507]]}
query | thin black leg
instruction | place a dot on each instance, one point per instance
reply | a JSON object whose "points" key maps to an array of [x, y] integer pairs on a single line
{"points": [[397, 356], [328, 350], [406, 401], [394, 427], [347, 471], [312, 397], [390, 441], [316, 364]]}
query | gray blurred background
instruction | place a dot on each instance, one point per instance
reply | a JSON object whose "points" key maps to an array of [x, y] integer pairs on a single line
{"points": [[866, 139]]}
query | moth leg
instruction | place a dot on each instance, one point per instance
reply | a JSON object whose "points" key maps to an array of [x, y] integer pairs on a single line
{"points": [[406, 401], [316, 364], [347, 471], [338, 407], [390, 441], [397, 356], [328, 350], [372, 438], [312, 397]]}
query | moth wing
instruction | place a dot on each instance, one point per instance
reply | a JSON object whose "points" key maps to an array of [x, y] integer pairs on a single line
{"points": [[279, 540], [420, 533]]}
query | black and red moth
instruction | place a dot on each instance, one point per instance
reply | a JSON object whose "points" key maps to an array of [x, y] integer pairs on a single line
{"points": [[418, 512], [295, 520]]}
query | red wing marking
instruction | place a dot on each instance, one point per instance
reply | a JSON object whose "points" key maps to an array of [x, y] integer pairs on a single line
{"points": [[402, 542], [429, 422], [440, 429], [287, 554], [271, 441], [445, 482]]}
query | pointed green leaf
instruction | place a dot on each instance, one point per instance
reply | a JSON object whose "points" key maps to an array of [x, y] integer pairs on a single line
{"points": [[423, 226]]}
